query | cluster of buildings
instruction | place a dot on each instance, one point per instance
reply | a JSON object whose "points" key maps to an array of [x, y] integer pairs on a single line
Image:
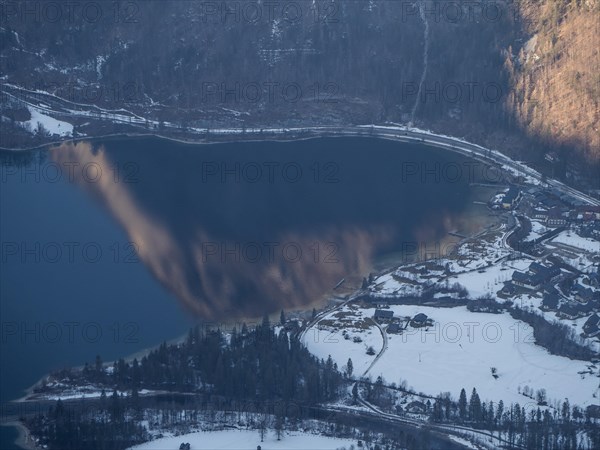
{"points": [[584, 299], [556, 209], [579, 295], [397, 324], [549, 206], [537, 277]]}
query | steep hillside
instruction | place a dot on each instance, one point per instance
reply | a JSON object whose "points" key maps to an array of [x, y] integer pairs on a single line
{"points": [[519, 76], [555, 74]]}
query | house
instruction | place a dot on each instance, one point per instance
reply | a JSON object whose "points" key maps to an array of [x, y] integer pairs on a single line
{"points": [[394, 328], [550, 302], [526, 280], [591, 230], [511, 198], [555, 218], [551, 274], [382, 315], [536, 267], [568, 311], [591, 327], [583, 294], [421, 320], [551, 290], [507, 290], [416, 407], [589, 212], [539, 214], [546, 274]]}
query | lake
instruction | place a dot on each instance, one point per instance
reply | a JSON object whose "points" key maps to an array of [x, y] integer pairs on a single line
{"points": [[110, 247]]}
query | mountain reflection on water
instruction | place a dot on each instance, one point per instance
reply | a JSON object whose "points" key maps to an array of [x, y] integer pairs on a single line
{"points": [[237, 230]]}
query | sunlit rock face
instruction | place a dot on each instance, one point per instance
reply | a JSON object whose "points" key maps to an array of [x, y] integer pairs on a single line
{"points": [[238, 230]]}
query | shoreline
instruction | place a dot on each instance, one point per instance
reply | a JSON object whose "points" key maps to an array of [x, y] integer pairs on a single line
{"points": [[394, 132], [24, 438], [138, 354]]}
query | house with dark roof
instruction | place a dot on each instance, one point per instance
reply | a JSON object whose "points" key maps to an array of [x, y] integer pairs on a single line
{"points": [[526, 280], [539, 214], [556, 218], [394, 328], [536, 267], [546, 273], [568, 311], [511, 198], [591, 327], [584, 294], [382, 315], [421, 320], [550, 302], [550, 290], [507, 290]]}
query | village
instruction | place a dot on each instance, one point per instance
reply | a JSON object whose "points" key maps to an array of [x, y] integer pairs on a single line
{"points": [[563, 236], [529, 283]]}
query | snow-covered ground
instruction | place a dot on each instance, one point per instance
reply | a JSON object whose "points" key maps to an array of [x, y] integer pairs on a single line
{"points": [[81, 392], [356, 323], [570, 238], [537, 230], [459, 352], [247, 440], [53, 126], [491, 280], [479, 276], [387, 285]]}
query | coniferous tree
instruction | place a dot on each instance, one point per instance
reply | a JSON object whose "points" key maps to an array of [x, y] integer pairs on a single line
{"points": [[462, 405], [349, 368], [475, 407], [500, 412]]}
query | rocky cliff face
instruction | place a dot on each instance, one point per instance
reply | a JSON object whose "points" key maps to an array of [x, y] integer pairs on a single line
{"points": [[484, 70], [554, 74]]}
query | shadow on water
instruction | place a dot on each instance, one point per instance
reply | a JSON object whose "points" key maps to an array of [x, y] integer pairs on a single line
{"points": [[237, 230]]}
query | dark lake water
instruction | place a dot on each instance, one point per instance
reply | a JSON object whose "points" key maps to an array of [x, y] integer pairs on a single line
{"points": [[111, 247], [8, 435]]}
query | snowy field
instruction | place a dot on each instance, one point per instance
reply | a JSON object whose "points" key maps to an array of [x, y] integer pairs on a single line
{"points": [[571, 239], [537, 230], [491, 281], [247, 440], [459, 352], [53, 126]]}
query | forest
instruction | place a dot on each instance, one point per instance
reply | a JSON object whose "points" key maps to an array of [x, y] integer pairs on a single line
{"points": [[268, 380]]}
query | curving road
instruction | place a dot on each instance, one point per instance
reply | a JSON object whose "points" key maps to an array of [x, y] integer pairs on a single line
{"points": [[53, 105]]}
